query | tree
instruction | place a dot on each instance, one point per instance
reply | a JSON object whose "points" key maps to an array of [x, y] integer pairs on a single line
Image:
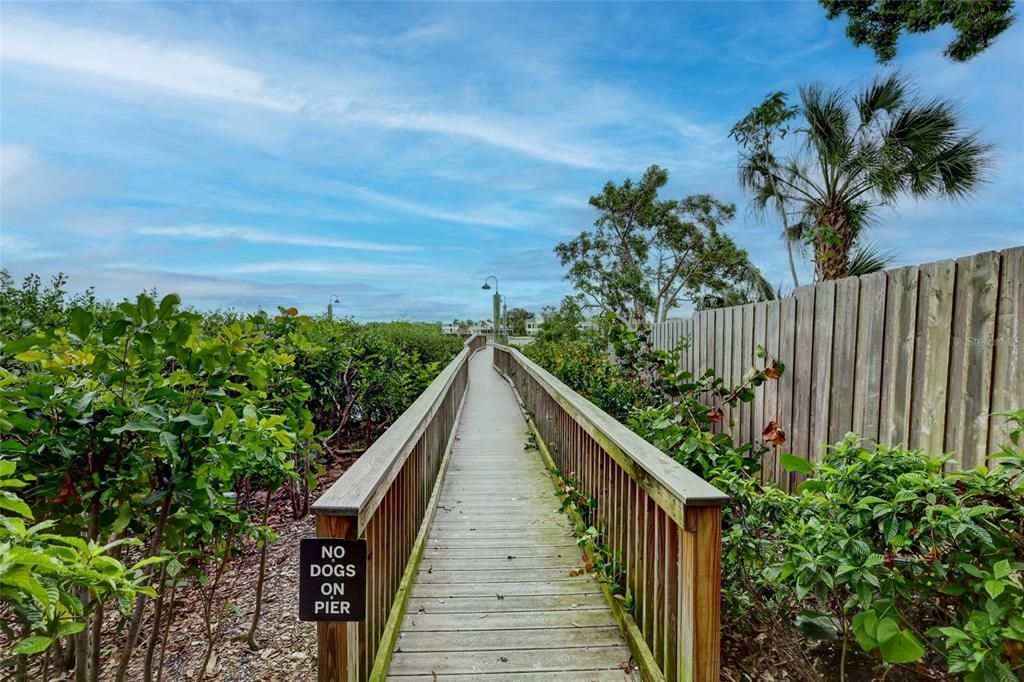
{"points": [[878, 23], [646, 255], [516, 319], [857, 154], [561, 325]]}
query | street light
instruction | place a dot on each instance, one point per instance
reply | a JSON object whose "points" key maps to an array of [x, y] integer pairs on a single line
{"points": [[330, 307], [496, 301]]}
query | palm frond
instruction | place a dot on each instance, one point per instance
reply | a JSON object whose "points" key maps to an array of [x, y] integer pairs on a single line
{"points": [[962, 167], [886, 93], [868, 258], [829, 121]]}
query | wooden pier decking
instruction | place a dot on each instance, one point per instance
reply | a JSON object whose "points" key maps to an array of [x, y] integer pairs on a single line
{"points": [[472, 572], [493, 598]]}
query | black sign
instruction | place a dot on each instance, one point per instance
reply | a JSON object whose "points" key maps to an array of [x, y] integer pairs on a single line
{"points": [[332, 579]]}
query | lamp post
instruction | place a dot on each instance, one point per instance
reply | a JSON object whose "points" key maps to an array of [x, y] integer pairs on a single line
{"points": [[330, 307], [496, 302]]}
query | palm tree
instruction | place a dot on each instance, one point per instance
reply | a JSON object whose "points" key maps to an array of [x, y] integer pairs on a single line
{"points": [[856, 155]]}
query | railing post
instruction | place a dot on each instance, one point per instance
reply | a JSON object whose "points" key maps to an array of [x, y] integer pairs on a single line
{"points": [[337, 642], [700, 587]]}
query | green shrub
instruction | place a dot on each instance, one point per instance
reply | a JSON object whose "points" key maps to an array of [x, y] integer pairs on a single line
{"points": [[881, 553]]}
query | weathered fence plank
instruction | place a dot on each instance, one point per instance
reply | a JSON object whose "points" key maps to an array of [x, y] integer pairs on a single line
{"points": [[898, 356], [918, 357], [931, 354], [821, 387], [1008, 364], [844, 358]]}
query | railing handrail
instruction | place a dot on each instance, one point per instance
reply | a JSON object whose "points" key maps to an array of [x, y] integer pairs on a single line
{"points": [[361, 487], [689, 488]]}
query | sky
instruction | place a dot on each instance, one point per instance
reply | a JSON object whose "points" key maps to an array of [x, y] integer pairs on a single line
{"points": [[252, 154]]}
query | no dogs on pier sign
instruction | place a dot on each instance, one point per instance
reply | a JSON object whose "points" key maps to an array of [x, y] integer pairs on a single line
{"points": [[332, 579]]}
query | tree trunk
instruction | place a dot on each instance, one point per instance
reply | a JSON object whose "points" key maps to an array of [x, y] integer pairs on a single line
{"points": [[154, 632], [792, 263], [251, 637], [832, 245], [97, 616], [136, 623], [167, 632], [95, 650]]}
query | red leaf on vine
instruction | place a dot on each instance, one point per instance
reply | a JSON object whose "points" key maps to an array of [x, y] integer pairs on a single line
{"points": [[67, 490], [773, 434]]}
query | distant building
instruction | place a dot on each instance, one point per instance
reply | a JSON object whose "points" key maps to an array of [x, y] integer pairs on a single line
{"points": [[533, 323], [450, 328]]}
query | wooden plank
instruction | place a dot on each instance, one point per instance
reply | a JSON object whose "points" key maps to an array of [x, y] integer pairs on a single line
{"points": [[898, 356], [436, 572], [844, 358], [787, 355], [931, 355], [803, 371], [700, 587], [757, 339], [746, 364], [495, 640], [970, 388], [336, 641], [490, 589], [610, 675], [770, 389], [499, 602], [531, 620], [867, 389], [736, 369], [1008, 361], [509, 662], [821, 378]]}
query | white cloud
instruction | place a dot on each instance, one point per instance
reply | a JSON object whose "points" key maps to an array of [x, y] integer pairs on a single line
{"points": [[504, 136], [256, 236], [193, 71], [180, 69]]}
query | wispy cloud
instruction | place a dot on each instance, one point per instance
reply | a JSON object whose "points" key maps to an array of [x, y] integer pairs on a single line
{"points": [[337, 268], [493, 216], [194, 71], [176, 68], [256, 236]]}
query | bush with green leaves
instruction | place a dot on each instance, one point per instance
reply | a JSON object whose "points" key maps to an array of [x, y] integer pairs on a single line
{"points": [[43, 574], [912, 562], [154, 435], [881, 555], [136, 426]]}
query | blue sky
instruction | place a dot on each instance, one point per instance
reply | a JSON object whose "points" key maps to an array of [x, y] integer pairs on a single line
{"points": [[257, 154]]}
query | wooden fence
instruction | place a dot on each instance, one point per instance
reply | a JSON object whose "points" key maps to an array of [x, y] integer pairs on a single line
{"points": [[385, 498], [662, 520], [918, 356]]}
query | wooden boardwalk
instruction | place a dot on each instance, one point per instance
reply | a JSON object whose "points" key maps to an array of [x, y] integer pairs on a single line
{"points": [[494, 598]]}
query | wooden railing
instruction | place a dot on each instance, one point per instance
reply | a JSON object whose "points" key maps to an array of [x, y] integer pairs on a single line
{"points": [[385, 497], [662, 519]]}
